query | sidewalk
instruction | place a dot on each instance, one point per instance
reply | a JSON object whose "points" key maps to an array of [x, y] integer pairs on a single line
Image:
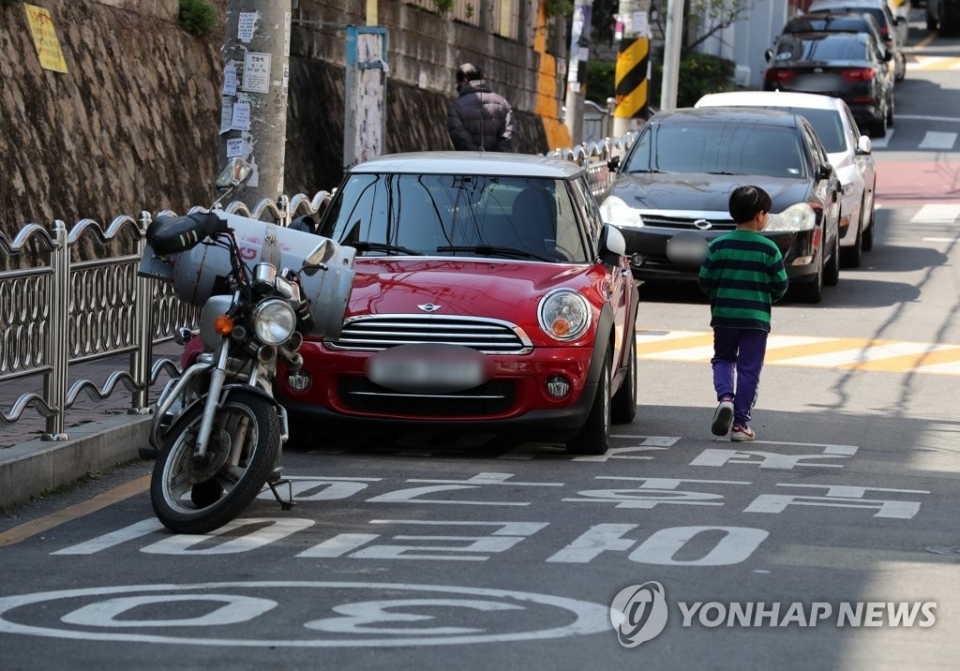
{"points": [[101, 433]]}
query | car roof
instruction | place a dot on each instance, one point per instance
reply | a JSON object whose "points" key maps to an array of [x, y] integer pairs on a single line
{"points": [[739, 114], [471, 163], [773, 99]]}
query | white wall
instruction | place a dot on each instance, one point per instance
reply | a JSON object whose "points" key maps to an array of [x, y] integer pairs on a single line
{"points": [[745, 41]]}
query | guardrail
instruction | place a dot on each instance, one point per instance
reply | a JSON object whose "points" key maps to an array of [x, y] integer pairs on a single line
{"points": [[97, 304]]}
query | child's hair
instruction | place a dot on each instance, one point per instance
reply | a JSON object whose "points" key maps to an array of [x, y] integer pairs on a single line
{"points": [[747, 201]]}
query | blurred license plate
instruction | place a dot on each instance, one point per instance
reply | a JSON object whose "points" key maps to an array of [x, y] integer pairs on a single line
{"points": [[824, 82], [427, 368]]}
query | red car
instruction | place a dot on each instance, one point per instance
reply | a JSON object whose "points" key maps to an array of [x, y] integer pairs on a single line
{"points": [[489, 296]]}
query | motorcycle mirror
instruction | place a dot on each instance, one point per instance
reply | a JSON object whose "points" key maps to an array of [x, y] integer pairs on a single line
{"points": [[318, 257], [234, 174]]}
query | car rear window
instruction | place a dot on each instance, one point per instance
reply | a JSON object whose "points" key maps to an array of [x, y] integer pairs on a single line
{"points": [[828, 47], [426, 213], [837, 24], [875, 12], [719, 147]]}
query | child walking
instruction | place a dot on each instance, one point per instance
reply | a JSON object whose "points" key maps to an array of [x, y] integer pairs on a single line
{"points": [[743, 275]]}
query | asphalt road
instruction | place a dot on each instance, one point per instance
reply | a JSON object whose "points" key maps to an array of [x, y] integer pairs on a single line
{"points": [[829, 543]]}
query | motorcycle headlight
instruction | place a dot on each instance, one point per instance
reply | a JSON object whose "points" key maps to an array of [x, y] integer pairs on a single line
{"points": [[796, 218], [615, 211], [564, 315], [274, 321]]}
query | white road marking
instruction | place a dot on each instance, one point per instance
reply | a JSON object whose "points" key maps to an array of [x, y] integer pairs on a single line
{"points": [[935, 140], [936, 214], [882, 142]]}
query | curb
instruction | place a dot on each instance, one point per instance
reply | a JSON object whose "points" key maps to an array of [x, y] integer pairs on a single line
{"points": [[29, 469]]}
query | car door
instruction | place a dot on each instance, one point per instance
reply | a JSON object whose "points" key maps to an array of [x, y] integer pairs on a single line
{"points": [[864, 162], [827, 189]]}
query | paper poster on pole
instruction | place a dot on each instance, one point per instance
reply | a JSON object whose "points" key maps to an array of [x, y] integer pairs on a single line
{"points": [[230, 79], [256, 72], [247, 25], [234, 147], [241, 116], [226, 115], [45, 39]]}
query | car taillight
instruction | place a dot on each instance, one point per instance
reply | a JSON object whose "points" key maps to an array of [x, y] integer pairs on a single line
{"points": [[884, 32], [779, 75], [858, 75]]}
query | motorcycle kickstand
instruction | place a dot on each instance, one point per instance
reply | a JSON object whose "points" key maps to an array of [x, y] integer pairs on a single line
{"points": [[285, 504]]}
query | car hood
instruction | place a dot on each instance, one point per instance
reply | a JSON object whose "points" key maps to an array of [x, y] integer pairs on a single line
{"points": [[702, 192], [499, 289]]}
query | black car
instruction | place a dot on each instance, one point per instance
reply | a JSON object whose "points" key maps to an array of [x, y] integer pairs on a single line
{"points": [[843, 65], [893, 30], [825, 22], [671, 192]]}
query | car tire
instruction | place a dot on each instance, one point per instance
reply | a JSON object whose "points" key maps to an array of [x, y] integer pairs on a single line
{"points": [[902, 68], [931, 22], [594, 436], [879, 127], [868, 230], [831, 270], [891, 107], [623, 407], [852, 256]]}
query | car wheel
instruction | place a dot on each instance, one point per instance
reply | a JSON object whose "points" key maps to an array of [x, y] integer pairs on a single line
{"points": [[831, 271], [931, 22], [594, 436], [623, 408], [880, 126], [890, 109], [868, 229], [901, 68], [852, 255]]}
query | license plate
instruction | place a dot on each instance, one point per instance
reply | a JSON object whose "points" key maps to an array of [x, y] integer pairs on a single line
{"points": [[818, 83], [427, 368]]}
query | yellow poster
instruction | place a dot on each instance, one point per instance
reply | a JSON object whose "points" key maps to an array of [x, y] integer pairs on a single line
{"points": [[45, 38]]}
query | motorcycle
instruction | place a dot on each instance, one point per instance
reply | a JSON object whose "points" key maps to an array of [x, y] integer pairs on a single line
{"points": [[218, 431]]}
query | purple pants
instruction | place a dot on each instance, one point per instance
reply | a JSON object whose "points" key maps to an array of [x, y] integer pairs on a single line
{"points": [[737, 360]]}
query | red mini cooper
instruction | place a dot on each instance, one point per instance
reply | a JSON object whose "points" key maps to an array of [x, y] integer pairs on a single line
{"points": [[489, 296]]}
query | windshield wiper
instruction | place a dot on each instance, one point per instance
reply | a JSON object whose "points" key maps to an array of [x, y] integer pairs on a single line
{"points": [[381, 247], [723, 172], [490, 250], [638, 170]]}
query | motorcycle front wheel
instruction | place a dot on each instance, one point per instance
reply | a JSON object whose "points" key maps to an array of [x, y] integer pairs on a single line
{"points": [[191, 496]]}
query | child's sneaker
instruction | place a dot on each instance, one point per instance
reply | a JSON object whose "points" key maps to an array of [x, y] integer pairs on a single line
{"points": [[742, 433], [722, 418]]}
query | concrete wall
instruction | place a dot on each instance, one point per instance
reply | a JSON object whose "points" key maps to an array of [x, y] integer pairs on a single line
{"points": [[133, 125]]}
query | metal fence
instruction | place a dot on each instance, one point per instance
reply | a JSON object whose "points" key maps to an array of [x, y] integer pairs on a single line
{"points": [[61, 312]]}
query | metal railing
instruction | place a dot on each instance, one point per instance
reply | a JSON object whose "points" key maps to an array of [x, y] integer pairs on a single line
{"points": [[98, 305], [101, 307]]}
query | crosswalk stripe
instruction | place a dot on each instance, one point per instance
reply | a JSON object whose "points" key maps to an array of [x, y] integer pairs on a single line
{"points": [[936, 140], [785, 350], [936, 214], [882, 142]]}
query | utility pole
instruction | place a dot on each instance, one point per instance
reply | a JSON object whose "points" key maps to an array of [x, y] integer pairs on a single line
{"points": [[577, 69], [253, 122], [671, 55], [633, 67]]}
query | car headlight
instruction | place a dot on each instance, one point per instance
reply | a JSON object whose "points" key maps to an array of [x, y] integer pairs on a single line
{"points": [[796, 218], [615, 211], [564, 315], [274, 321]]}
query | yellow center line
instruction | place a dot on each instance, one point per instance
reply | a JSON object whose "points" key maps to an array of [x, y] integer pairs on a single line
{"points": [[34, 527], [812, 349], [907, 361]]}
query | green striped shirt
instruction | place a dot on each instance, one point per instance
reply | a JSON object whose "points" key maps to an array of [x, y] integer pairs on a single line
{"points": [[743, 275]]}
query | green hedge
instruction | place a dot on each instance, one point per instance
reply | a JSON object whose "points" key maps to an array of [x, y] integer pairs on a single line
{"points": [[197, 17], [699, 74]]}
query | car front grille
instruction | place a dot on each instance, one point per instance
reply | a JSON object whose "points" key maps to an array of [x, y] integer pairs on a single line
{"points": [[679, 221], [361, 395], [379, 332]]}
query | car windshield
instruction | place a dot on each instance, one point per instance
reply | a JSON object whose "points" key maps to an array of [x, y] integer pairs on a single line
{"points": [[719, 147], [825, 47], [523, 218]]}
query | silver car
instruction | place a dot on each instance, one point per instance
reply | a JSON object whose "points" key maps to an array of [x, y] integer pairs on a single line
{"points": [[850, 154]]}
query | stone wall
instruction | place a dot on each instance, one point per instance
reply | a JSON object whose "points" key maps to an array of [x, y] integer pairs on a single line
{"points": [[133, 125]]}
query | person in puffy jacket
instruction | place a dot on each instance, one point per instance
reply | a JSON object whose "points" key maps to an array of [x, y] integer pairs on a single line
{"points": [[479, 119]]}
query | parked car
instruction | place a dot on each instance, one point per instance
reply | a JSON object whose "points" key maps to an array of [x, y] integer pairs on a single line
{"points": [[893, 29], [850, 22], [944, 15], [844, 65], [489, 296], [850, 154], [670, 193]]}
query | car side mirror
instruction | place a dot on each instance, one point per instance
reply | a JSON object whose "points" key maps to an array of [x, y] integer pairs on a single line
{"points": [[864, 145], [613, 163], [768, 54], [612, 247], [825, 170]]}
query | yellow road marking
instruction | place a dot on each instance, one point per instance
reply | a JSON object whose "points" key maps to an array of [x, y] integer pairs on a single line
{"points": [[34, 527], [657, 346], [811, 349]]}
